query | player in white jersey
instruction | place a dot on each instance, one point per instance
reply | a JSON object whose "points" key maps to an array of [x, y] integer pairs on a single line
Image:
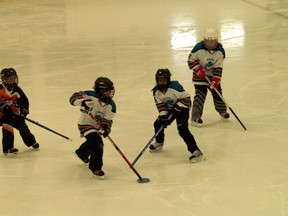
{"points": [[206, 59], [100, 104], [171, 99]]}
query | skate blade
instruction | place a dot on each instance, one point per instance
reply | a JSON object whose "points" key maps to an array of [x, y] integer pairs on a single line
{"points": [[156, 149], [11, 155], [197, 159], [99, 177]]}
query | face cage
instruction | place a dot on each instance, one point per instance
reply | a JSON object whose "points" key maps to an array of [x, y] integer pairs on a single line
{"points": [[15, 83], [107, 94], [210, 44], [163, 86], [161, 78]]}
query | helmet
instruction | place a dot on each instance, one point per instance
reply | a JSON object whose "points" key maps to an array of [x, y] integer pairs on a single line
{"points": [[210, 38], [210, 34], [163, 74], [6, 73], [104, 88]]}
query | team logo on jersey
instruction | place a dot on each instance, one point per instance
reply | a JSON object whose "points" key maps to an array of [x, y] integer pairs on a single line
{"points": [[99, 115], [209, 64], [169, 102]]}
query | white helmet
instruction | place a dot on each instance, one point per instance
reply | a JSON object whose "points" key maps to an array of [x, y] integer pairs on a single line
{"points": [[210, 38], [211, 34]]}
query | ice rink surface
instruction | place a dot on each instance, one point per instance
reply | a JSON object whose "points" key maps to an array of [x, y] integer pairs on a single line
{"points": [[59, 47]]}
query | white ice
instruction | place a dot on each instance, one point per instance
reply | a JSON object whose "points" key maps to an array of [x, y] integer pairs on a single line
{"points": [[59, 47]]}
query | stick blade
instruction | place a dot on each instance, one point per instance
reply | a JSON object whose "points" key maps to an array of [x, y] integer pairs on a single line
{"points": [[143, 180]]}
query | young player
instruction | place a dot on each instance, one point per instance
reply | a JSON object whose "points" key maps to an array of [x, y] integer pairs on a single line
{"points": [[171, 99], [206, 59], [100, 104], [14, 106]]}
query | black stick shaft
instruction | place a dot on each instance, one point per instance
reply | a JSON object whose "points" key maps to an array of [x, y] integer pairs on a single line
{"points": [[40, 125], [237, 118], [150, 141], [148, 144], [227, 104]]}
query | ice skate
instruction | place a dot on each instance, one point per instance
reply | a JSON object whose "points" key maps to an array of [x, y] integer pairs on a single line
{"points": [[225, 116], [35, 145], [196, 156], [99, 174], [156, 146], [85, 160], [197, 122], [11, 151]]}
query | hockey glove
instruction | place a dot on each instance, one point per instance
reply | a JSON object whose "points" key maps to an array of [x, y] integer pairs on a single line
{"points": [[164, 119], [200, 72], [176, 109], [215, 83], [5, 109], [105, 131], [24, 112], [86, 106]]}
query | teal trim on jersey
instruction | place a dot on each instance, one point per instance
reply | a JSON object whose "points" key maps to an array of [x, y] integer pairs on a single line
{"points": [[173, 85], [112, 103], [198, 47], [201, 45], [91, 93], [186, 101], [221, 49], [176, 85], [74, 97], [94, 94], [155, 89], [107, 122]]}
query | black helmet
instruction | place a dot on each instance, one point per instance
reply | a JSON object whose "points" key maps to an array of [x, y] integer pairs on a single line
{"points": [[163, 74], [102, 86], [5, 74]]}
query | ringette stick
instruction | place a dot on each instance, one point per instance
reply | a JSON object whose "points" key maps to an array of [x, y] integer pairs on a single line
{"points": [[150, 141], [40, 125], [140, 180], [208, 80]]}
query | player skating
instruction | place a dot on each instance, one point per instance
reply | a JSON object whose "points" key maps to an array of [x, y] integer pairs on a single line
{"points": [[14, 106], [99, 103], [206, 61], [173, 102]]}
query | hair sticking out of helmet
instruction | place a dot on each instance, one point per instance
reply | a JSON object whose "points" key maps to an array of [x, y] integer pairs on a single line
{"points": [[104, 87], [210, 38], [9, 78], [163, 78]]}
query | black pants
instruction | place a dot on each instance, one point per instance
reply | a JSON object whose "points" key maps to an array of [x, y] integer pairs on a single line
{"points": [[8, 123], [183, 130], [93, 147], [199, 100]]}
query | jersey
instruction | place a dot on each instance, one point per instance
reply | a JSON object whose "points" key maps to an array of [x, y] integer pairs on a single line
{"points": [[15, 98], [104, 112], [210, 60], [174, 94]]}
